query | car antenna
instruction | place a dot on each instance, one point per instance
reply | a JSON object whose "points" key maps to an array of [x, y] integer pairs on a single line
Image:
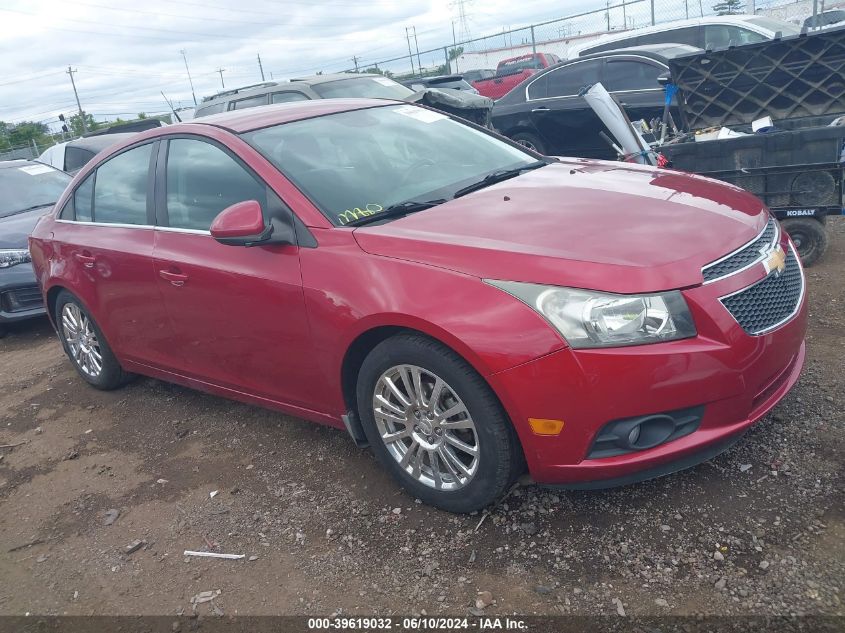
{"points": [[171, 107]]}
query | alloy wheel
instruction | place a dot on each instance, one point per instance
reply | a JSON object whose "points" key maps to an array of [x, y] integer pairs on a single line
{"points": [[426, 427], [81, 340]]}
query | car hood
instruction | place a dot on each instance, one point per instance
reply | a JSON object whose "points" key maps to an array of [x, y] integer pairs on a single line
{"points": [[586, 224], [15, 229]]}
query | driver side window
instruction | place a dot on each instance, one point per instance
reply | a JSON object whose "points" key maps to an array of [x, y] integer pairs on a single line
{"points": [[202, 180]]}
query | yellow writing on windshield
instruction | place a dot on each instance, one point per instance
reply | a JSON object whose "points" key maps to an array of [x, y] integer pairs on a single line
{"points": [[353, 214]]}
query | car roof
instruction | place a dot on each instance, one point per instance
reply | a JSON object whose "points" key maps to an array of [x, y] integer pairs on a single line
{"points": [[17, 162], [22, 162], [255, 118], [314, 80], [666, 26], [656, 51], [97, 143], [272, 86]]}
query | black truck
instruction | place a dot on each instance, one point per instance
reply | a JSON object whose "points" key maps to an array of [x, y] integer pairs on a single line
{"points": [[795, 164]]}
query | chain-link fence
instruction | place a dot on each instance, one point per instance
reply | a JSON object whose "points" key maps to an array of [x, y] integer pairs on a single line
{"points": [[27, 152], [559, 35]]}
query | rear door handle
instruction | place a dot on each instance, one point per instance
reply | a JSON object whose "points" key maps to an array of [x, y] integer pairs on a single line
{"points": [[85, 258], [541, 109], [176, 279]]}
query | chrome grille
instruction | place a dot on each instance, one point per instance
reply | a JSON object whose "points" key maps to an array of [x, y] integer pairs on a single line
{"points": [[745, 256], [771, 302]]}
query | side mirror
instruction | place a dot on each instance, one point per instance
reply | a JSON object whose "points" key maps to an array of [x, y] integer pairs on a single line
{"points": [[242, 224], [664, 79]]}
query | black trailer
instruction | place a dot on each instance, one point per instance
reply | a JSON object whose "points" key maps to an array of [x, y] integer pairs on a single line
{"points": [[796, 165]]}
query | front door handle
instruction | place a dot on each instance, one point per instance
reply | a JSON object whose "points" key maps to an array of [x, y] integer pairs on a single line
{"points": [[176, 279], [540, 109], [85, 258]]}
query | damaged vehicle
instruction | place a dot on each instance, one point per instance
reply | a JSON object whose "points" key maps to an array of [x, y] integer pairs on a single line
{"points": [[27, 191], [464, 306], [462, 103]]}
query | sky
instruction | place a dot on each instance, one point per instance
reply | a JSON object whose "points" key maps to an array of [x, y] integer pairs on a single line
{"points": [[126, 53]]}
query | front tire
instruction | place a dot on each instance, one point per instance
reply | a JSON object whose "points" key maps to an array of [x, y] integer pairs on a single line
{"points": [[531, 141], [435, 424], [809, 236], [85, 345]]}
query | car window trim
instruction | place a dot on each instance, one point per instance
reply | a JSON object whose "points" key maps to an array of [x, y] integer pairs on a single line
{"points": [[604, 61], [231, 106], [161, 218], [93, 177], [287, 92]]}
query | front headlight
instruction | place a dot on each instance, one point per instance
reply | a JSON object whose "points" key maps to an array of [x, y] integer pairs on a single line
{"points": [[597, 319], [13, 257]]}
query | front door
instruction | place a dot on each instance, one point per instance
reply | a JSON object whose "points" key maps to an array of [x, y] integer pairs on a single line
{"points": [[238, 313]]}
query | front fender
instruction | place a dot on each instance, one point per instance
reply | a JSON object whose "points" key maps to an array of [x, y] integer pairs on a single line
{"points": [[349, 292]]}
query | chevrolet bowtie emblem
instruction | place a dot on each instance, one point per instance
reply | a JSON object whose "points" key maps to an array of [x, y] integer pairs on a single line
{"points": [[775, 262]]}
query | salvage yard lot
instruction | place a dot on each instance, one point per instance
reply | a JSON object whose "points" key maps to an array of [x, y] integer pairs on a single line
{"points": [[760, 529]]}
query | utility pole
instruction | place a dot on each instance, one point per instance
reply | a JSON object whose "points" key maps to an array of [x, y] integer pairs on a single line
{"points": [[190, 81], [78, 105], [260, 67], [410, 53], [417, 46], [220, 70], [455, 46], [355, 61]]}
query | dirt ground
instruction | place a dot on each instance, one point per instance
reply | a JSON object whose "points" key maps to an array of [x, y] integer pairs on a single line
{"points": [[758, 530]]}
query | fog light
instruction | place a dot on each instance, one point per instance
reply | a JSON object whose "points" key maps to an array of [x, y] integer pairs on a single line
{"points": [[634, 435]]}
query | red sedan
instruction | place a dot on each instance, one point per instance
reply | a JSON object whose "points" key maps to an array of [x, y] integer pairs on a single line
{"points": [[464, 306]]}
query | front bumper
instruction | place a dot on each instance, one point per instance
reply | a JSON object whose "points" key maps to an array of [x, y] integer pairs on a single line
{"points": [[737, 377], [20, 296]]}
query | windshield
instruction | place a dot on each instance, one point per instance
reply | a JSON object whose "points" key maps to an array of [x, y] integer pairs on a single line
{"points": [[357, 164], [774, 25], [513, 66], [362, 88], [28, 186]]}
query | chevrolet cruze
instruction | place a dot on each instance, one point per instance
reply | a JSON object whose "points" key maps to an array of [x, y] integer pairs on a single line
{"points": [[464, 306]]}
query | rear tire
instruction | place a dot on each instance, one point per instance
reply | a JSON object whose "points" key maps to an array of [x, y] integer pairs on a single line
{"points": [[531, 141], [85, 345], [809, 236], [460, 462]]}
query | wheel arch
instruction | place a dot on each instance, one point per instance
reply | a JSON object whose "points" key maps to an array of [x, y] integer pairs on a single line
{"points": [[52, 296], [367, 340]]}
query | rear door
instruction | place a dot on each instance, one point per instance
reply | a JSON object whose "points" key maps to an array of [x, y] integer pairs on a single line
{"points": [[238, 313], [564, 120], [106, 242]]}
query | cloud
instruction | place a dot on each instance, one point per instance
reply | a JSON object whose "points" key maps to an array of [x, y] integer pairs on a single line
{"points": [[126, 52]]}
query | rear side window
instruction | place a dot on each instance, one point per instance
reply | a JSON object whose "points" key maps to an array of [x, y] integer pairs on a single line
{"points": [[202, 180], [568, 80], [76, 158], [690, 35], [120, 189], [83, 200], [630, 75], [287, 97], [217, 108], [724, 35], [249, 102]]}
